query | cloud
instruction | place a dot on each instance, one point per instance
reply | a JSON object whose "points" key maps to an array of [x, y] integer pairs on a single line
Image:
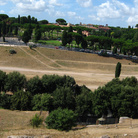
{"points": [[3, 2], [123, 8], [59, 14], [114, 9], [136, 3], [84, 3], [132, 20], [79, 18], [55, 3], [27, 6], [94, 17], [71, 13], [107, 10], [1, 11]]}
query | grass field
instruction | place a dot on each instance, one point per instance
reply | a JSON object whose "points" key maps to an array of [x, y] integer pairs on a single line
{"points": [[87, 69], [50, 42]]}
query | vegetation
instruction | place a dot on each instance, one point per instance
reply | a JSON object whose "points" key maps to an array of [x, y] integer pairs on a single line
{"points": [[118, 70], [61, 21], [53, 91], [12, 51], [60, 95], [26, 28], [61, 119], [36, 121], [15, 81]]}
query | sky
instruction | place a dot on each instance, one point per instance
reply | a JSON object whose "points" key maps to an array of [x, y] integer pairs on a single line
{"points": [[99, 12]]}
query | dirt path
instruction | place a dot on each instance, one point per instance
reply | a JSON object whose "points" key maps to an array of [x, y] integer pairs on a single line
{"points": [[92, 79], [36, 58], [89, 73], [50, 59]]}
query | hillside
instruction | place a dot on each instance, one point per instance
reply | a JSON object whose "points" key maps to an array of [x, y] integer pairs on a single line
{"points": [[88, 69], [17, 123]]}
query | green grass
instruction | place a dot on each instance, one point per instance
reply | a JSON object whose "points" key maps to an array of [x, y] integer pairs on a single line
{"points": [[50, 42]]}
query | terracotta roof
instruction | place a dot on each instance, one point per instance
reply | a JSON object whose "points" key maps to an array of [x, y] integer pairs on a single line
{"points": [[104, 28], [94, 28]]}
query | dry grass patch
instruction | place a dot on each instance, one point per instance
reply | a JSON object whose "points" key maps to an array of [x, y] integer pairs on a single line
{"points": [[15, 123], [88, 69]]}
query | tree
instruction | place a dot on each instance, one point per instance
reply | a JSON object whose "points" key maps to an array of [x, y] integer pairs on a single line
{"points": [[84, 44], [21, 101], [37, 33], [3, 78], [130, 81], [64, 38], [64, 97], [61, 21], [16, 31], [61, 119], [15, 81], [0, 29], [78, 38], [52, 82], [84, 103], [29, 19], [34, 85], [43, 22], [136, 37], [26, 36], [118, 70], [3, 17], [23, 20], [5, 100], [3, 30], [100, 102], [19, 19], [42, 102], [136, 25]]}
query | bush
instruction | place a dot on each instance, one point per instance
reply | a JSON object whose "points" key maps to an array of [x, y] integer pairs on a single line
{"points": [[61, 119], [36, 121], [12, 51], [30, 46]]}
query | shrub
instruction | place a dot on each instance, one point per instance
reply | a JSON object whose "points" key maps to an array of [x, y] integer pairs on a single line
{"points": [[12, 51], [30, 46], [36, 121], [61, 119]]}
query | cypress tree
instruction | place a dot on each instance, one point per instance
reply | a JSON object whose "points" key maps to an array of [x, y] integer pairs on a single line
{"points": [[118, 70], [64, 38]]}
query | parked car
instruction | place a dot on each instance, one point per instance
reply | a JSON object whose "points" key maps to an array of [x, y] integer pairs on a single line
{"points": [[82, 50], [87, 51], [56, 47]]}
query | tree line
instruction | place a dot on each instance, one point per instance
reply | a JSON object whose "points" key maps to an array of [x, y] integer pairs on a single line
{"points": [[27, 28], [52, 92]]}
